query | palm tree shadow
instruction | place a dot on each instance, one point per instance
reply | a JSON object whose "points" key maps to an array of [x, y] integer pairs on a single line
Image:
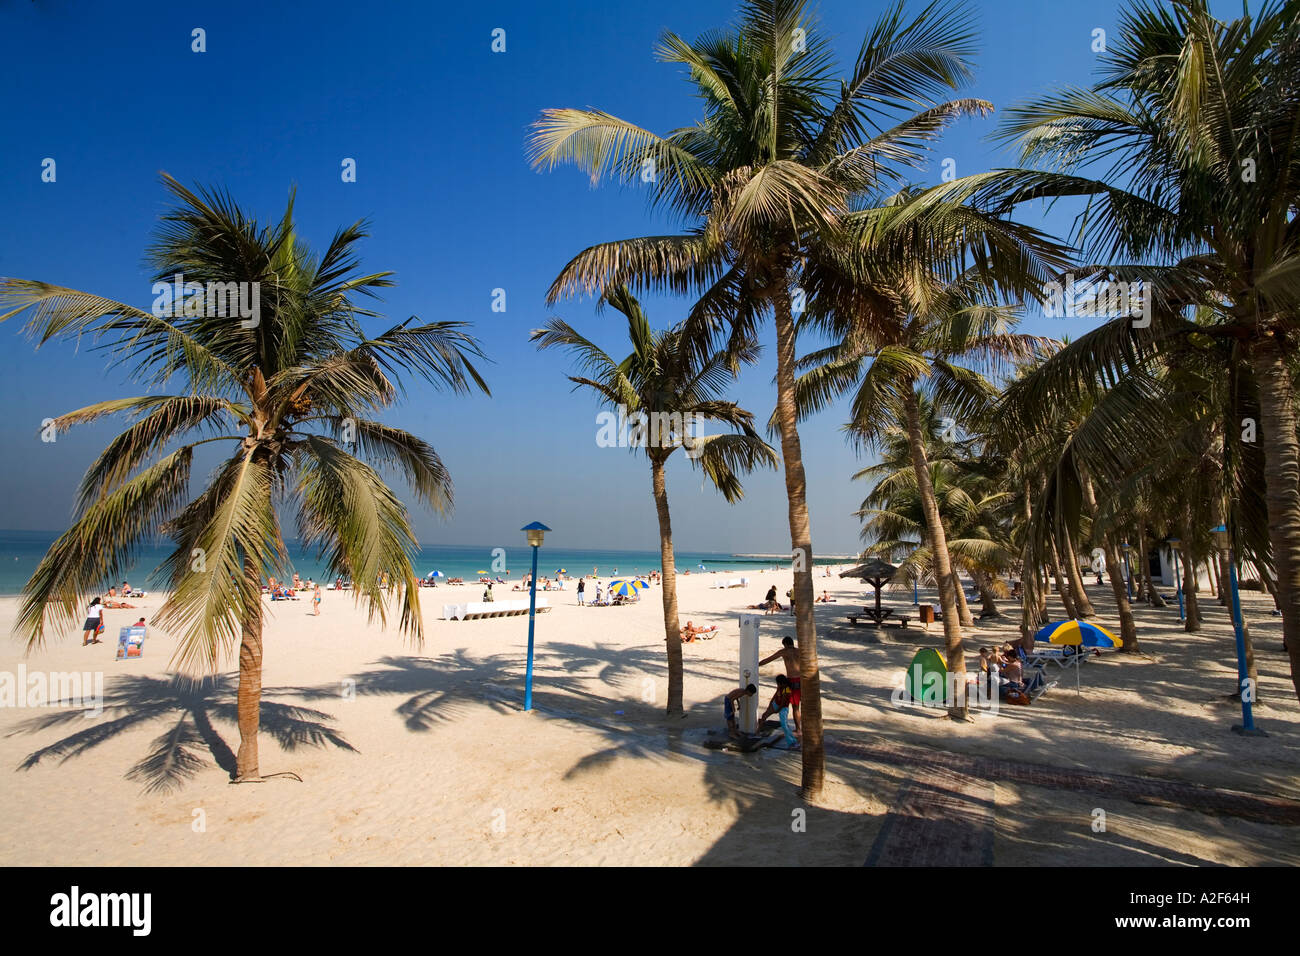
{"points": [[190, 706]]}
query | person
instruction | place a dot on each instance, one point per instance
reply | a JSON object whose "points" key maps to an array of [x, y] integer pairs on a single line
{"points": [[986, 688], [94, 623], [582, 588], [790, 597], [780, 700], [729, 706], [825, 599], [789, 655], [599, 593], [1013, 675], [692, 633], [770, 602], [315, 599]]}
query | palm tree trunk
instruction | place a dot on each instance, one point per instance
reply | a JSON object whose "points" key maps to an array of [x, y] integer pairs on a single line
{"points": [[1192, 609], [248, 700], [796, 489], [988, 603], [943, 573], [672, 624], [1153, 596], [1081, 602], [1067, 600], [1115, 571], [963, 608]]}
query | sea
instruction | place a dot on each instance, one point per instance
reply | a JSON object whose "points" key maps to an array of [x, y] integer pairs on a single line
{"points": [[21, 551]]}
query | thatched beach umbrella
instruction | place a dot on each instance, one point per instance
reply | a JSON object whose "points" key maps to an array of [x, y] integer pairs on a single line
{"points": [[877, 573]]}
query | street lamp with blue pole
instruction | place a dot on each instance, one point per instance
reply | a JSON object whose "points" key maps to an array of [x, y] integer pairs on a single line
{"points": [[1174, 545], [536, 532], [1223, 541]]}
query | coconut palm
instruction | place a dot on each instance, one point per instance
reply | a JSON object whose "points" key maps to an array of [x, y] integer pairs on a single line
{"points": [[665, 389], [770, 185], [929, 335], [1188, 151], [973, 507], [288, 392]]}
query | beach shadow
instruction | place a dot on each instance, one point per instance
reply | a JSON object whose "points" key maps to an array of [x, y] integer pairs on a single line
{"points": [[189, 707]]}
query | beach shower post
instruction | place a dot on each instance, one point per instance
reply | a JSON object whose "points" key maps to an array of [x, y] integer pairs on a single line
{"points": [[748, 669], [536, 532], [1223, 541]]}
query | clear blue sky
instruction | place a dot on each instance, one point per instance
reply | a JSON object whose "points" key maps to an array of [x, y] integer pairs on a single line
{"points": [[436, 123]]}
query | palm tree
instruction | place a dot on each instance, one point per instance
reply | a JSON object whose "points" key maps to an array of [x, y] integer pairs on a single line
{"points": [[769, 183], [1189, 153], [289, 392], [927, 335], [973, 507], [665, 388]]}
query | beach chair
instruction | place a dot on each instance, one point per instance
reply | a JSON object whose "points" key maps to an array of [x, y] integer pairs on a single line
{"points": [[130, 642]]}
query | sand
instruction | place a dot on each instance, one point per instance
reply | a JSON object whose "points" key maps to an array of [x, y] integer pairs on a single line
{"points": [[423, 755]]}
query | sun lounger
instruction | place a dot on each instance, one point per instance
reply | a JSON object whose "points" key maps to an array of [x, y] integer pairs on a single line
{"points": [[478, 610]]}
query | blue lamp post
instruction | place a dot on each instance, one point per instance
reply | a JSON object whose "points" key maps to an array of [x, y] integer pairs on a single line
{"points": [[536, 532], [1223, 541], [1174, 545], [916, 600]]}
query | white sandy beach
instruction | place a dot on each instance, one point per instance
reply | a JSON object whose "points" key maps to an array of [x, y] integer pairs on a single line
{"points": [[424, 756]]}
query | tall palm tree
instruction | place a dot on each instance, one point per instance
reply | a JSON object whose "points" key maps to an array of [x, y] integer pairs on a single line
{"points": [[769, 184], [929, 335], [969, 490], [667, 389], [289, 392], [1188, 151]]}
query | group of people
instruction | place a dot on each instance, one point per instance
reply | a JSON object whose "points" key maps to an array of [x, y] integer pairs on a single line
{"points": [[1002, 672], [788, 691], [770, 604], [94, 625]]}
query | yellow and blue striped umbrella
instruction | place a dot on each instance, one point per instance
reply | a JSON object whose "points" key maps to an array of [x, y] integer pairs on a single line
{"points": [[1079, 633], [625, 588]]}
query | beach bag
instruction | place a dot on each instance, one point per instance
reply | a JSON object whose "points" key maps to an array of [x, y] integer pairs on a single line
{"points": [[1016, 697]]}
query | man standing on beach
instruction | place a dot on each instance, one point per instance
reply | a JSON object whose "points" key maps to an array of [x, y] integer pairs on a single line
{"points": [[790, 655], [582, 587]]}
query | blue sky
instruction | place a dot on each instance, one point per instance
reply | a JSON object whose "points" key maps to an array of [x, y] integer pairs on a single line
{"points": [[436, 123]]}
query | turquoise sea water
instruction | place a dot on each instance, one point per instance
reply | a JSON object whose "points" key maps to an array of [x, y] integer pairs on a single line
{"points": [[20, 551]]}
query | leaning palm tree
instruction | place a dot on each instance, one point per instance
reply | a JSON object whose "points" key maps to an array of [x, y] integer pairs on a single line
{"points": [[1188, 150], [667, 390], [289, 391], [770, 184]]}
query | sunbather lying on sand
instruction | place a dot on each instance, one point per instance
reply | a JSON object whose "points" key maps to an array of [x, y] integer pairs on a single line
{"points": [[692, 633]]}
